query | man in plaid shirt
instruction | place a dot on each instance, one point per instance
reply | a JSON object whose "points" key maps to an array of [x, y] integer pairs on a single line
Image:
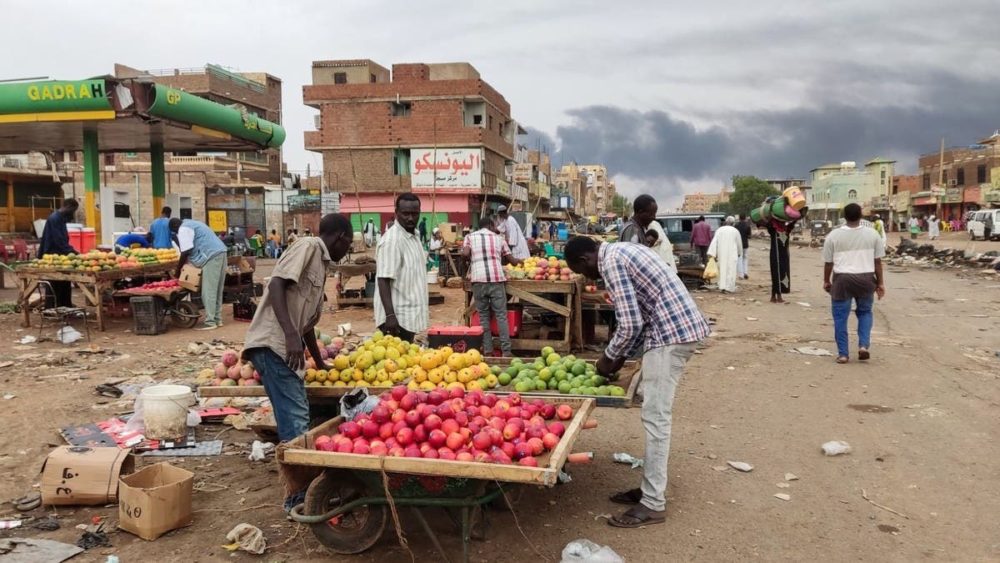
{"points": [[486, 250], [655, 309]]}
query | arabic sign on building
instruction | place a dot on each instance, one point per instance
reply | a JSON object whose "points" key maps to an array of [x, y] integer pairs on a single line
{"points": [[953, 195], [518, 192], [446, 168], [522, 172]]}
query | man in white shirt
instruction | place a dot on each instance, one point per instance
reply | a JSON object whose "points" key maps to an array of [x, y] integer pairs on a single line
{"points": [[853, 256], [514, 235], [401, 300]]}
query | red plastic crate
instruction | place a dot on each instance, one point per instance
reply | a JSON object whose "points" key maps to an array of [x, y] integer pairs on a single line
{"points": [[514, 319], [460, 338]]}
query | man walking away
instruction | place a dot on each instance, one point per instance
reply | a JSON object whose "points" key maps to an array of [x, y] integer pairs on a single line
{"points": [[701, 237], [880, 228], [160, 230], [285, 323], [422, 228], [653, 309], [203, 249], [401, 300], [727, 249], [746, 229], [55, 240], [510, 228], [485, 250], [779, 259], [853, 255]]}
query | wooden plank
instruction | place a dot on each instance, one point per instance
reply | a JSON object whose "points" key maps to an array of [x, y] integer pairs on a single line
{"points": [[538, 344], [533, 286], [562, 310], [547, 474], [258, 391]]}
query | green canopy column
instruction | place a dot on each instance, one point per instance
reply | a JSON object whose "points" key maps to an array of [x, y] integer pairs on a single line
{"points": [[92, 180], [158, 178]]}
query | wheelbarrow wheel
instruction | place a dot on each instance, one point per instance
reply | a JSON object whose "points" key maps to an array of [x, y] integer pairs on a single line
{"points": [[185, 314], [351, 532]]}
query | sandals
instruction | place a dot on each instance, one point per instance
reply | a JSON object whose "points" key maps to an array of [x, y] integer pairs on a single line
{"points": [[863, 354], [627, 497], [842, 359], [637, 517]]}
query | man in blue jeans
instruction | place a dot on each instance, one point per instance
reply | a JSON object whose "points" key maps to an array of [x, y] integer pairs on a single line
{"points": [[285, 325], [853, 256]]}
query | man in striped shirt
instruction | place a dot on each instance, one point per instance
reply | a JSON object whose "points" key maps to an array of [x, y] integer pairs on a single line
{"points": [[401, 300], [486, 250], [654, 308]]}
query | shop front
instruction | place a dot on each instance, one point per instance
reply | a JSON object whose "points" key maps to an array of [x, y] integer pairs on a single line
{"points": [[240, 207], [923, 205], [459, 208], [951, 207]]}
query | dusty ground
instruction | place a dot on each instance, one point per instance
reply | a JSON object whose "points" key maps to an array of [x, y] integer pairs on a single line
{"points": [[921, 418]]}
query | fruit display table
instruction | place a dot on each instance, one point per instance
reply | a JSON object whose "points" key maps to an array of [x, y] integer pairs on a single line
{"points": [[347, 504], [537, 294], [628, 379], [92, 284], [348, 271]]}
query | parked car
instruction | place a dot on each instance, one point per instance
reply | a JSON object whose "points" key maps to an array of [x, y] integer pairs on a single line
{"points": [[977, 222], [678, 227]]}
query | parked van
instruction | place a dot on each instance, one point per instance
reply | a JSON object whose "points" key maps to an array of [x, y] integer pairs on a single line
{"points": [[678, 227], [982, 220]]}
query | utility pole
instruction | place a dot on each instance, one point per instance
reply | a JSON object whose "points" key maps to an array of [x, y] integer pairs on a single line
{"points": [[940, 178]]}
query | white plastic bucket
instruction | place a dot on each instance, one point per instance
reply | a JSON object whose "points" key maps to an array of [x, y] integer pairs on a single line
{"points": [[432, 277], [164, 411]]}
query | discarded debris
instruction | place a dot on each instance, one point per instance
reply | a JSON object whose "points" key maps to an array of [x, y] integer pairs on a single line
{"points": [[740, 466], [752, 318], [812, 351], [27, 339], [791, 477], [803, 304], [622, 457], [8, 396], [580, 551], [10, 524], [246, 537], [47, 524], [782, 496], [23, 549], [864, 495], [259, 450], [782, 485], [836, 447]]}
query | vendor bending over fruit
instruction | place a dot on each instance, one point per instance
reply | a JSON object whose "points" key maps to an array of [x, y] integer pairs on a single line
{"points": [[650, 301], [285, 322]]}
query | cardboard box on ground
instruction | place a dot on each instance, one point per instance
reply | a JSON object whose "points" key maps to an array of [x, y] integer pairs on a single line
{"points": [[77, 475], [155, 500]]}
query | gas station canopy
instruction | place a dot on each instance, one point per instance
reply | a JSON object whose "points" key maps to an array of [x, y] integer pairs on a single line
{"points": [[127, 115]]}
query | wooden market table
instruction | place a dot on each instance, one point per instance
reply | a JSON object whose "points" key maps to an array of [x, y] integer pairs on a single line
{"points": [[93, 285], [536, 293], [348, 271]]}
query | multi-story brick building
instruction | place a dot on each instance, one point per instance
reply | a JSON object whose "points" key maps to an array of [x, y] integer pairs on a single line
{"points": [[964, 182], [572, 182], [600, 189], [438, 130], [699, 202]]}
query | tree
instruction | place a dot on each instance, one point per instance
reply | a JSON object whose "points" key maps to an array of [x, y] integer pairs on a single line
{"points": [[720, 207], [748, 192], [621, 205]]}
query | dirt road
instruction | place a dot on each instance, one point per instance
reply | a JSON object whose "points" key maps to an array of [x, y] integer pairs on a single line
{"points": [[921, 418]]}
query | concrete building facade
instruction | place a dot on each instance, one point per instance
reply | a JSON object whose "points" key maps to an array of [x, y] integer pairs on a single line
{"points": [[835, 185], [438, 130], [959, 180], [600, 189]]}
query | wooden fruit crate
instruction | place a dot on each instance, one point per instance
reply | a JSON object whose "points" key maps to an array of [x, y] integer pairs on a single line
{"points": [[628, 379]]}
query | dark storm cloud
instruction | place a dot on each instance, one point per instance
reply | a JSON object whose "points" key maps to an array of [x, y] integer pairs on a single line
{"points": [[659, 149]]}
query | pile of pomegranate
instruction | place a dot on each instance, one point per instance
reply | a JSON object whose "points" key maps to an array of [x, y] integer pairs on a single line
{"points": [[453, 425]]}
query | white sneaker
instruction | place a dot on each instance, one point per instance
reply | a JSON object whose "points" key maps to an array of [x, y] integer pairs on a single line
{"points": [[208, 327]]}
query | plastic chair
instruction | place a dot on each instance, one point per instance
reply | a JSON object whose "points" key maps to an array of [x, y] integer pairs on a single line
{"points": [[21, 249], [255, 246], [551, 251]]}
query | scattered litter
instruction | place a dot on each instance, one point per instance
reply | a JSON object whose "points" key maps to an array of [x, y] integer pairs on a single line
{"points": [[28, 502], [10, 524], [564, 477], [91, 539], [782, 496], [259, 450], [791, 477], [864, 495], [47, 524], [622, 457], [344, 329], [836, 447], [803, 304], [17, 550], [605, 516], [68, 335], [713, 456], [586, 551], [752, 318], [812, 351], [740, 466], [782, 485], [27, 339], [246, 537], [6, 364], [208, 448], [9, 396], [730, 368]]}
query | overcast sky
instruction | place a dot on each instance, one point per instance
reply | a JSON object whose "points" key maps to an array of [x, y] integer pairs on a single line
{"points": [[672, 96]]}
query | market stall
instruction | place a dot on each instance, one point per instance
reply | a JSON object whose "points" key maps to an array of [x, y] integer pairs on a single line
{"points": [[348, 296], [543, 297], [94, 274]]}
